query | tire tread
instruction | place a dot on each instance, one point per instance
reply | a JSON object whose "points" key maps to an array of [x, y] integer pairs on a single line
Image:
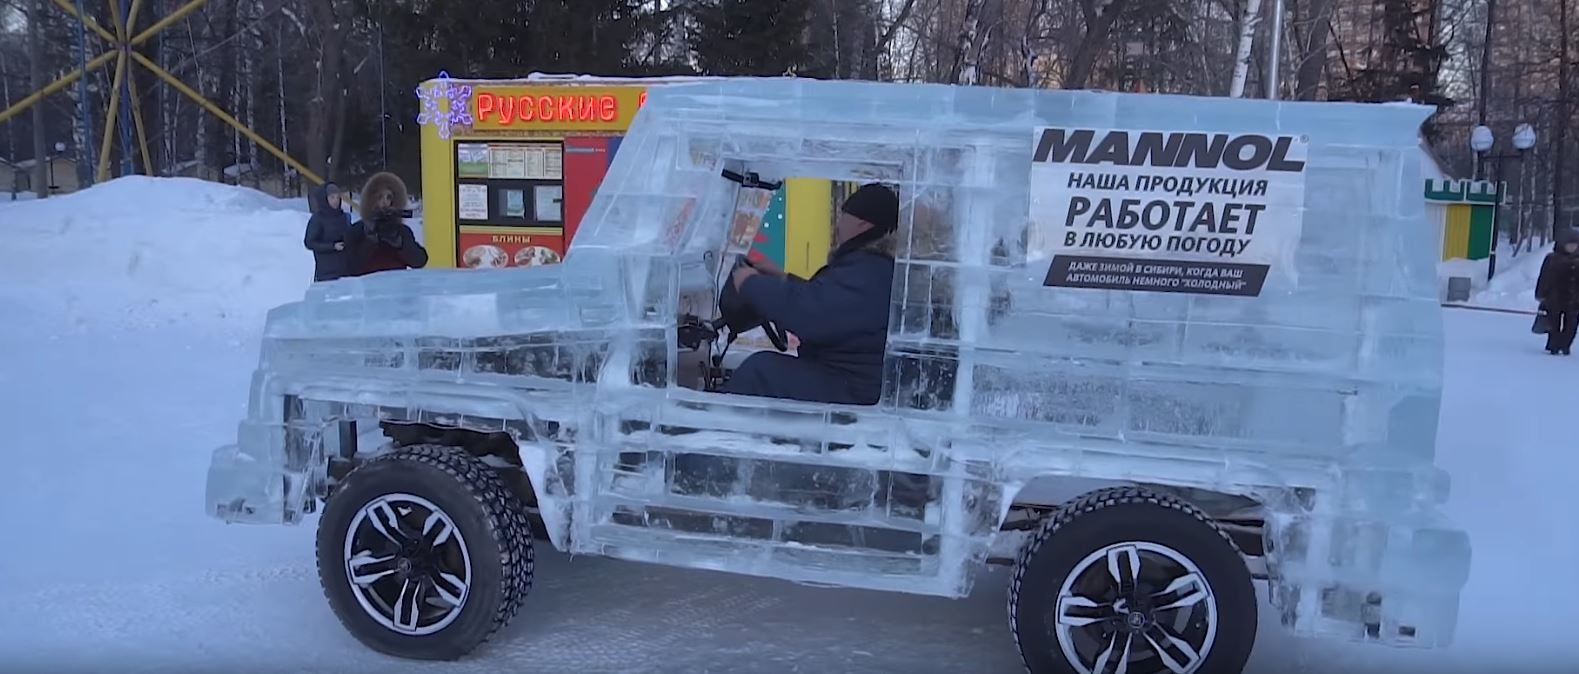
{"points": [[1084, 505], [505, 517]]}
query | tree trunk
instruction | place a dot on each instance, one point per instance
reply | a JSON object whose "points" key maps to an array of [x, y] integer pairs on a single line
{"points": [[287, 184], [1029, 52], [337, 145], [236, 99], [1242, 55], [1564, 117], [200, 150], [880, 50], [1313, 55], [969, 38], [325, 102], [35, 52], [5, 103], [1099, 23]]}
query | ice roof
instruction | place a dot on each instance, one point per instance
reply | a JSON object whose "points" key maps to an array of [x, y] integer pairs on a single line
{"points": [[574, 78]]}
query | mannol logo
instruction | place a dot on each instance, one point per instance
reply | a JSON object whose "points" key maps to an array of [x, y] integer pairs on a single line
{"points": [[1239, 152]]}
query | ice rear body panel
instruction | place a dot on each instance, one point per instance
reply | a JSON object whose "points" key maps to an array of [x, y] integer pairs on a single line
{"points": [[1318, 398]]}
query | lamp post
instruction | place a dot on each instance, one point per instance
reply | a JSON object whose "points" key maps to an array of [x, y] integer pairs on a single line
{"points": [[1275, 52], [1482, 140], [60, 149], [1523, 140]]}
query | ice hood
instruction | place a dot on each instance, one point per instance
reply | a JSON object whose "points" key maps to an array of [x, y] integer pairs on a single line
{"points": [[432, 303]]}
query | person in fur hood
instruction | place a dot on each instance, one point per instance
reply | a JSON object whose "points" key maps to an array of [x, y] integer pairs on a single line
{"points": [[381, 240]]}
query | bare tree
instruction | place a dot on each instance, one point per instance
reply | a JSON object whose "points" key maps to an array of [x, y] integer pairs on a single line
{"points": [[1564, 116], [35, 54], [1242, 56], [1311, 28], [1099, 16], [325, 112]]}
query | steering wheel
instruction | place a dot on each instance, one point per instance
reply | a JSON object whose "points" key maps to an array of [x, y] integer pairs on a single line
{"points": [[739, 316]]}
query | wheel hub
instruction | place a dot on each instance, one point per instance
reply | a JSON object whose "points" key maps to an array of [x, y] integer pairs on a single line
{"points": [[1136, 607], [1130, 614], [1137, 621], [407, 564]]}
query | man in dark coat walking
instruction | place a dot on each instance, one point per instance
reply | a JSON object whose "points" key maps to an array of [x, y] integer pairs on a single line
{"points": [[1557, 289], [326, 233], [840, 314], [381, 240]]}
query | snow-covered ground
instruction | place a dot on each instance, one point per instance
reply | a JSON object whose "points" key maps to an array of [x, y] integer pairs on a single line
{"points": [[152, 253], [131, 317]]}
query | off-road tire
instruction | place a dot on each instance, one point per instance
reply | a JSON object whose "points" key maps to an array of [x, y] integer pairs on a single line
{"points": [[490, 518], [1115, 516]]}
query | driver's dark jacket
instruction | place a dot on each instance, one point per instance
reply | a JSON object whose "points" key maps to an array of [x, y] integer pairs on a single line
{"points": [[840, 316]]}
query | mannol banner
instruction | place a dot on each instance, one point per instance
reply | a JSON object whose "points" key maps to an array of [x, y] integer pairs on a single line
{"points": [[1166, 211]]}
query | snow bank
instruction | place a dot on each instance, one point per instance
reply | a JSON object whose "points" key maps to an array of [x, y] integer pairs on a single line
{"points": [[138, 253], [1511, 289], [1513, 286]]}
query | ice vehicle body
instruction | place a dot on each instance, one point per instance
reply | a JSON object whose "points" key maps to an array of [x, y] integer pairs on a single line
{"points": [[1141, 442]]}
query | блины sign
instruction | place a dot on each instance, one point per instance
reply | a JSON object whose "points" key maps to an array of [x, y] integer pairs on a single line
{"points": [[1192, 212]]}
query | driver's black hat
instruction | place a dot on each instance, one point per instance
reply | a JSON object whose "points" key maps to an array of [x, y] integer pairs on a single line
{"points": [[876, 204]]}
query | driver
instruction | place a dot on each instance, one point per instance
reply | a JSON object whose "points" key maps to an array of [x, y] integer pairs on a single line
{"points": [[840, 314]]}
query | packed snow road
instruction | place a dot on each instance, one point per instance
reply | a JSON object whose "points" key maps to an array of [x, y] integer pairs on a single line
{"points": [[109, 564]]}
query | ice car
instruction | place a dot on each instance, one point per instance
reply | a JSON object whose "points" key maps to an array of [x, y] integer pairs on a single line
{"points": [[1146, 349]]}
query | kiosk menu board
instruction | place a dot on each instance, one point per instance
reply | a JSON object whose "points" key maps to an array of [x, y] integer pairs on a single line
{"points": [[509, 203]]}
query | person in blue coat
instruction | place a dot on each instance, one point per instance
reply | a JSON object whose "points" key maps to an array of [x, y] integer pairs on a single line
{"points": [[840, 314], [326, 233]]}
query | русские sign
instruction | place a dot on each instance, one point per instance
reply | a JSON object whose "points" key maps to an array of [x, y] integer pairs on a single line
{"points": [[1166, 211]]}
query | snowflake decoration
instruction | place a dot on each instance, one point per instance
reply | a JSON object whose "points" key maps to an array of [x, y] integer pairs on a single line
{"points": [[458, 96]]}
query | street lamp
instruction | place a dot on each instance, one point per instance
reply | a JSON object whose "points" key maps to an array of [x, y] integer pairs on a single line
{"points": [[1523, 140], [59, 149], [1524, 137], [1482, 140]]}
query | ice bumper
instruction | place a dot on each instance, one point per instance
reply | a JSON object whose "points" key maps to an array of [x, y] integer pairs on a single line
{"points": [[260, 480], [1368, 578]]}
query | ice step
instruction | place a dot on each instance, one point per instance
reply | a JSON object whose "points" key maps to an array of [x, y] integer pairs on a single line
{"points": [[797, 562], [775, 512]]}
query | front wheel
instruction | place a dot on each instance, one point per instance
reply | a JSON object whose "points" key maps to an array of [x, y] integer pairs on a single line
{"points": [[1126, 580], [423, 553]]}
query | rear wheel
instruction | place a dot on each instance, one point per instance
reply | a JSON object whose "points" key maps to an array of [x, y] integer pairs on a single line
{"points": [[1126, 580], [423, 553]]}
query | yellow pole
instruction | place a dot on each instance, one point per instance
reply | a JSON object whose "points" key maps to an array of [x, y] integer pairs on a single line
{"points": [[131, 21], [121, 29], [115, 19], [173, 17], [87, 21], [137, 118], [64, 81], [225, 117], [109, 119]]}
